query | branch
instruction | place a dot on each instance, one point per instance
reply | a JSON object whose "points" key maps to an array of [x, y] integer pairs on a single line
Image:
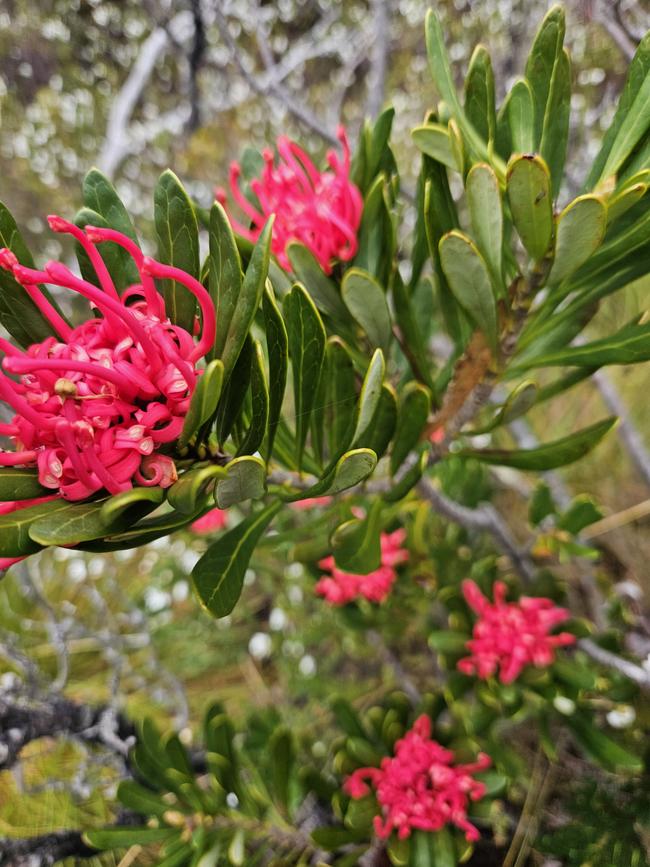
{"points": [[624, 666], [380, 15], [602, 14], [195, 60]]}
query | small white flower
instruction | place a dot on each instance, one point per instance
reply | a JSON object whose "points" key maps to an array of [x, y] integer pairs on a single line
{"points": [[259, 646], [564, 705], [621, 717]]}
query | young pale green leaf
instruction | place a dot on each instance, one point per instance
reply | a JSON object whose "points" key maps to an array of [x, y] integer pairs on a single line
{"points": [[558, 453], [555, 134], [366, 301], [248, 300], [600, 747], [277, 346], [486, 212], [540, 65], [458, 149], [225, 276], [381, 430], [356, 543], [369, 397], [18, 313], [637, 78], [479, 94], [469, 280], [531, 205], [260, 405], [322, 290], [245, 480], [306, 334], [132, 835], [178, 245], [100, 196], [518, 402], [187, 493], [619, 203], [204, 401], [218, 577], [414, 408], [630, 345], [20, 484], [521, 117], [580, 231], [341, 396], [433, 140]]}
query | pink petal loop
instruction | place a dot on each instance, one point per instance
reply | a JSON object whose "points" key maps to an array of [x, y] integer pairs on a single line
{"points": [[421, 787]]}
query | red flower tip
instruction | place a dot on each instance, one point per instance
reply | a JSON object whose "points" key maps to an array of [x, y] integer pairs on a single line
{"points": [[8, 260], [58, 224], [95, 234], [421, 787]]}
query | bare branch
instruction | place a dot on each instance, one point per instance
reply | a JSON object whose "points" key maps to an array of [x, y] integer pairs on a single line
{"points": [[611, 660]]}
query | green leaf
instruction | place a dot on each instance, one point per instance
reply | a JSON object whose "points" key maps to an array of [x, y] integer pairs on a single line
{"points": [[541, 504], [600, 747], [384, 422], [248, 299], [637, 79], [376, 233], [260, 405], [415, 405], [15, 540], [351, 469], [529, 194], [630, 345], [245, 480], [408, 480], [432, 849], [555, 135], [282, 754], [469, 280], [558, 453], [341, 396], [369, 397], [518, 402], [633, 127], [484, 201], [178, 245], [580, 231], [366, 301], [225, 277], [540, 65], [521, 117], [581, 513], [20, 484], [433, 140], [412, 343], [619, 203], [356, 543], [219, 575], [479, 94], [132, 835], [133, 505], [322, 290], [18, 313], [235, 391], [448, 641], [142, 800], [204, 401], [186, 495], [306, 334], [100, 196], [277, 344]]}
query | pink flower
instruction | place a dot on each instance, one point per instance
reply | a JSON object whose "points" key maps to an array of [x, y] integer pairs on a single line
{"points": [[511, 635], [97, 405], [310, 503], [215, 519], [420, 787], [321, 210], [341, 587]]}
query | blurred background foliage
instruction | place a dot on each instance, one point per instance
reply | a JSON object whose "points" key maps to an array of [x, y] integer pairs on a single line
{"points": [[134, 87]]}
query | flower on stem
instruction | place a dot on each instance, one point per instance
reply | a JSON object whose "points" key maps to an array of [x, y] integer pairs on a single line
{"points": [[511, 635], [97, 406], [341, 587], [420, 787], [321, 210]]}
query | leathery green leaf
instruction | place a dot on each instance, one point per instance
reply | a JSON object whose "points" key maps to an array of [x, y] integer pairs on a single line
{"points": [[469, 280], [600, 747], [260, 405], [529, 194], [555, 454], [630, 345], [369, 397], [277, 346], [15, 540], [322, 290], [245, 480], [17, 483], [248, 300], [351, 469], [366, 301], [225, 277], [633, 127], [580, 231], [121, 838], [621, 202], [521, 117], [204, 401], [384, 422], [341, 396], [83, 522], [479, 94], [186, 494], [178, 245], [486, 212], [133, 504], [433, 140], [555, 134], [356, 543], [306, 334], [541, 63], [218, 577], [414, 408]]}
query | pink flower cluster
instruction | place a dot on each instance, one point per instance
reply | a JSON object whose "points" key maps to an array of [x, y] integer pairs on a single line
{"points": [[420, 787], [98, 405], [341, 587], [511, 635], [215, 519], [321, 210]]}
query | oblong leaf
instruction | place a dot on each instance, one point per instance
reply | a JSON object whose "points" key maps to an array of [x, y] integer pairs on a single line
{"points": [[259, 405], [122, 838], [204, 401], [366, 301], [17, 483], [479, 94], [433, 140], [369, 396], [528, 185], [245, 480], [521, 117], [580, 230], [414, 408], [277, 346], [631, 345], [218, 576], [225, 276], [322, 290], [486, 212], [187, 493]]}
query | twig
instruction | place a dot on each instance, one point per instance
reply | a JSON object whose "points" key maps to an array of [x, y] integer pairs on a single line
{"points": [[629, 669], [380, 16]]}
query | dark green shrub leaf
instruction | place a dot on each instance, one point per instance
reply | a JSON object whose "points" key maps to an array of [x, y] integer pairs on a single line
{"points": [[245, 480]]}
